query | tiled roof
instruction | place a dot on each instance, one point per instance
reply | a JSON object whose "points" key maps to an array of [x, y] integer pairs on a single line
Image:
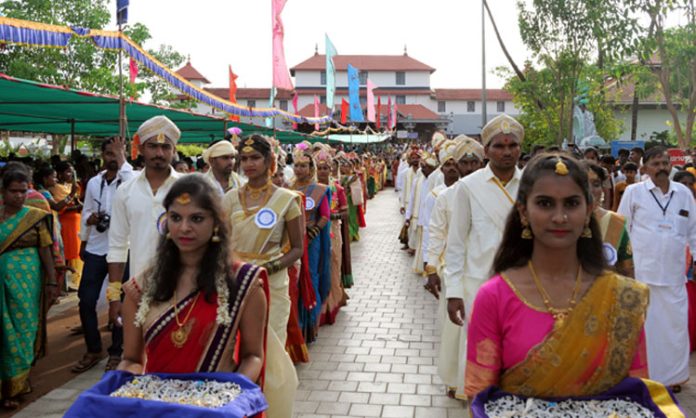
{"points": [[245, 93], [471, 94], [364, 62], [190, 73], [308, 110]]}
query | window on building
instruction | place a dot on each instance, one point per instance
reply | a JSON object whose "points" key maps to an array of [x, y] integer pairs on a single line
{"points": [[501, 107], [442, 106], [363, 78], [400, 99], [322, 99], [363, 101], [322, 76], [251, 103], [400, 78], [283, 104], [471, 107]]}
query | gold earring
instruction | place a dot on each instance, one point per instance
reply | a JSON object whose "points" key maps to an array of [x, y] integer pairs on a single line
{"points": [[215, 237], [587, 232], [526, 232], [168, 236]]}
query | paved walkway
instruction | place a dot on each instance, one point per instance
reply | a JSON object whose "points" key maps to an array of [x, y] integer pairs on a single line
{"points": [[378, 359]]}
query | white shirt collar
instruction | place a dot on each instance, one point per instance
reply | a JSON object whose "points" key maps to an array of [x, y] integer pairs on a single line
{"points": [[488, 172]]}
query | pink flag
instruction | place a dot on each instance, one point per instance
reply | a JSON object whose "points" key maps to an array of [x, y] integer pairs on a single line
{"points": [[295, 98], [132, 70], [370, 101], [316, 111], [389, 113], [379, 112], [395, 114], [281, 76]]}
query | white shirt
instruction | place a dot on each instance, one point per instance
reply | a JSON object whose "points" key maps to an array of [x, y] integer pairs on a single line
{"points": [[476, 229], [99, 190], [439, 225], [437, 178], [414, 200], [425, 216], [659, 239], [134, 216], [408, 176]]}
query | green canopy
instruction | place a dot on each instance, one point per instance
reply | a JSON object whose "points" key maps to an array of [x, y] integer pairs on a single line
{"points": [[28, 106]]}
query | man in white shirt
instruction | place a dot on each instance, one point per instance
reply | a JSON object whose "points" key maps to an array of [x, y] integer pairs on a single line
{"points": [[137, 206], [437, 178], [429, 165], [408, 180], [220, 157], [459, 158], [483, 201], [94, 234], [661, 217]]}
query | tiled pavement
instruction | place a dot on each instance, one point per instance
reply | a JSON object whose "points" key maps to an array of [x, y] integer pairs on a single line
{"points": [[378, 359]]}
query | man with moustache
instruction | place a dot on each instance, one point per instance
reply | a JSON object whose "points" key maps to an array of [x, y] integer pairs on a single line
{"points": [[459, 158], [220, 158], [137, 207], [661, 217], [94, 234], [483, 201]]}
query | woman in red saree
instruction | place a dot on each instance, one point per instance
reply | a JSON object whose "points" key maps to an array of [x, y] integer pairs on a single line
{"points": [[194, 310], [554, 322]]}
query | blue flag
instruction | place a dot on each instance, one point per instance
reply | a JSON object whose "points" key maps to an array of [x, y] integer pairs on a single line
{"points": [[356, 114], [330, 74], [121, 12], [271, 102]]}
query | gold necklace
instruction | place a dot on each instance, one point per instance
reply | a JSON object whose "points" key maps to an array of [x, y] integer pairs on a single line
{"points": [[559, 315], [255, 193], [264, 201], [180, 336]]}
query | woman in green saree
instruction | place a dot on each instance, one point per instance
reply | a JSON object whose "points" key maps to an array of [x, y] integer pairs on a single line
{"points": [[26, 269]]}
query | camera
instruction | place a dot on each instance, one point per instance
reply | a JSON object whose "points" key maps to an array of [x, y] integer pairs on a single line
{"points": [[103, 222]]}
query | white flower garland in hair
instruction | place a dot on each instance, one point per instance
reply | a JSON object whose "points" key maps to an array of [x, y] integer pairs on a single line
{"points": [[144, 305], [223, 294]]}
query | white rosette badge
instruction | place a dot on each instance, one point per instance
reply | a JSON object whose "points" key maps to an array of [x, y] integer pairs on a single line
{"points": [[610, 254], [266, 218], [309, 205]]}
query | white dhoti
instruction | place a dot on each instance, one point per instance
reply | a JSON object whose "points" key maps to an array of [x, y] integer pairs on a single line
{"points": [[449, 360], [418, 259], [281, 377], [413, 237], [667, 335]]}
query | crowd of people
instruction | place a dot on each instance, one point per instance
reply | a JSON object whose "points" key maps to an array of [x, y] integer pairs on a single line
{"points": [[239, 249], [558, 275]]}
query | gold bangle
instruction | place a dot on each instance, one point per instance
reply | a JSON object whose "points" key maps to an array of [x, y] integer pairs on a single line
{"points": [[113, 292], [430, 270]]}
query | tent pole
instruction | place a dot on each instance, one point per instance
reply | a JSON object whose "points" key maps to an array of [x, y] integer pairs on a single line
{"points": [[72, 135], [121, 100]]}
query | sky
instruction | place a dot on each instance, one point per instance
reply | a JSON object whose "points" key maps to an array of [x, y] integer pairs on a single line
{"points": [[445, 34]]}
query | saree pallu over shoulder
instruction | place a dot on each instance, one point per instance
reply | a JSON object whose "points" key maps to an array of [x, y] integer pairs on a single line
{"points": [[210, 345], [251, 241], [592, 351], [20, 224]]}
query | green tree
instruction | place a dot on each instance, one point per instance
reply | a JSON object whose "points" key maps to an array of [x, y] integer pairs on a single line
{"points": [[564, 36]]}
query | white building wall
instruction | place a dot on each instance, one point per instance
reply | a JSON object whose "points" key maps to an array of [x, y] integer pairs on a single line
{"points": [[383, 79], [649, 121]]}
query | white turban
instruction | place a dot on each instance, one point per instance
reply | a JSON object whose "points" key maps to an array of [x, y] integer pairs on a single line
{"points": [[218, 150], [502, 124], [159, 128], [447, 150], [467, 147]]}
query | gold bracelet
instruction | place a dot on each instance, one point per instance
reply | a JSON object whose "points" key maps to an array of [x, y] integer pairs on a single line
{"points": [[113, 292], [430, 270]]}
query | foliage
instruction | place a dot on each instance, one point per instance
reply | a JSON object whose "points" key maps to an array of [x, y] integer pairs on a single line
{"points": [[563, 36], [190, 150]]}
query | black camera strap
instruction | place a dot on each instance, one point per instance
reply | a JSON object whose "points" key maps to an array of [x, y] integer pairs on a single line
{"points": [[101, 189]]}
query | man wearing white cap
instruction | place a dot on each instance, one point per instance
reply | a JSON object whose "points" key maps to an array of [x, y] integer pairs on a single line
{"points": [[137, 206], [459, 159], [220, 158], [483, 201]]}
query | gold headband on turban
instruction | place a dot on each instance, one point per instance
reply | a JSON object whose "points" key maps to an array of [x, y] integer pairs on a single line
{"points": [[437, 139], [429, 159], [447, 151], [159, 128], [467, 147], [218, 150], [502, 124]]}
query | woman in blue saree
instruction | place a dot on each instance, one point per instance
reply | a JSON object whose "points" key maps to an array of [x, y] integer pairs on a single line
{"points": [[317, 216], [26, 269]]}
